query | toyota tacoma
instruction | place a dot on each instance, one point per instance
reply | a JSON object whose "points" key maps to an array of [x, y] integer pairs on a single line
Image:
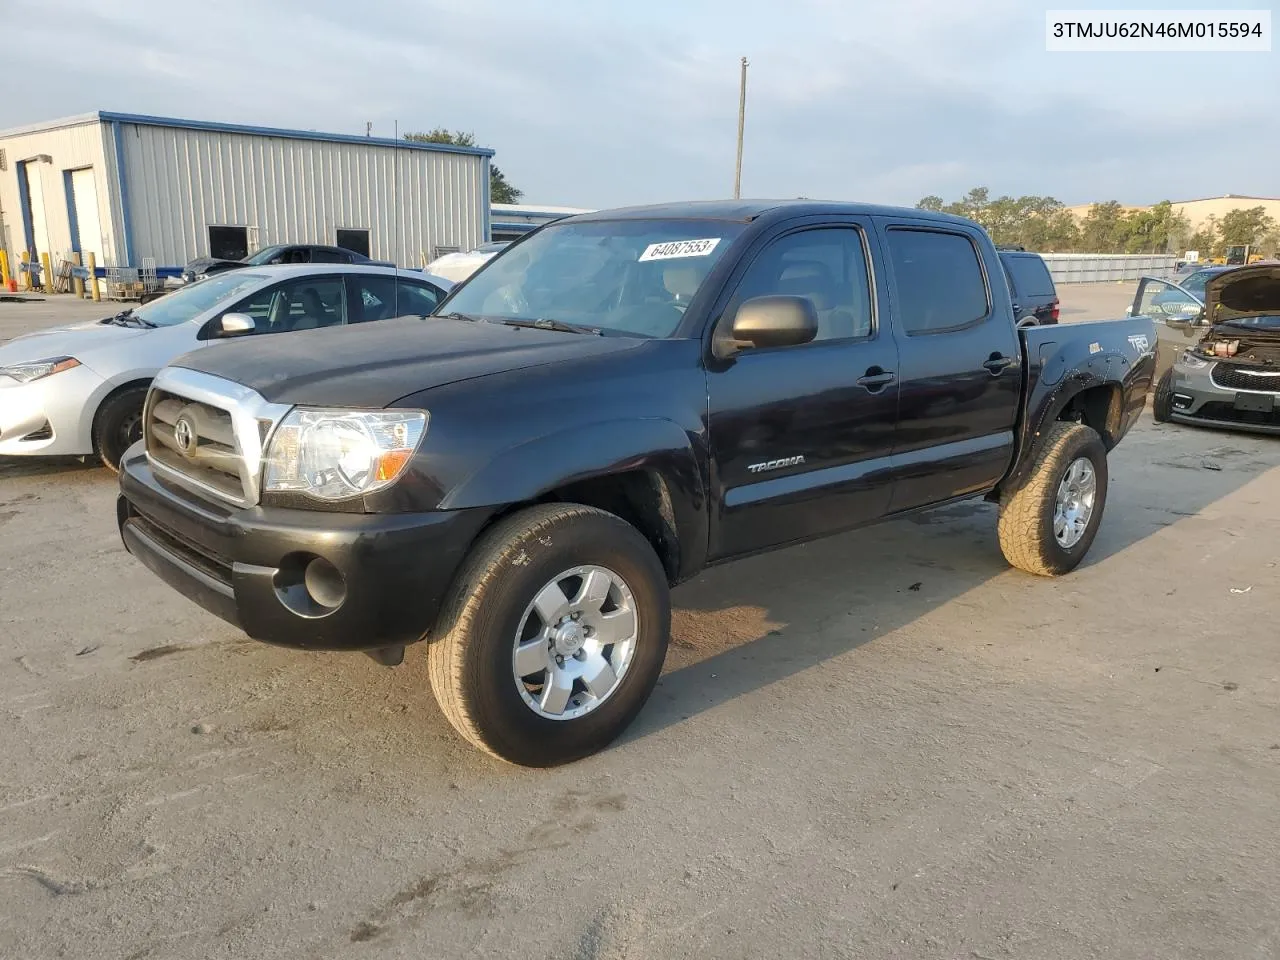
{"points": [[610, 405]]}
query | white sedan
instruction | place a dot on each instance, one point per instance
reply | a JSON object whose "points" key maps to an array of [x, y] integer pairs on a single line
{"points": [[78, 390]]}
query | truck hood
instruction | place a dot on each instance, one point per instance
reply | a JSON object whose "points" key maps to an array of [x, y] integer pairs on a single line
{"points": [[74, 340], [1245, 292], [373, 365]]}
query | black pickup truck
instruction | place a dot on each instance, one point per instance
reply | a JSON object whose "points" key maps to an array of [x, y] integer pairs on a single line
{"points": [[613, 403]]}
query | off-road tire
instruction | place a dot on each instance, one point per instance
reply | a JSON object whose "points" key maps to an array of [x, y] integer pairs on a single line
{"points": [[117, 425], [1026, 514], [1162, 402], [469, 655]]}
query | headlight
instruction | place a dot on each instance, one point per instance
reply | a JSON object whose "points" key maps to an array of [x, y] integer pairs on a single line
{"points": [[337, 454], [38, 369], [1191, 361]]}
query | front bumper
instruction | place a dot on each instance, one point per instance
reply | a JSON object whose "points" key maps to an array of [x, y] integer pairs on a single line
{"points": [[1198, 400], [244, 565], [50, 416]]}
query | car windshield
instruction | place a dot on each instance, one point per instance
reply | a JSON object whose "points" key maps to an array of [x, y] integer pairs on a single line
{"points": [[264, 255], [1195, 283], [634, 277], [192, 300], [493, 247]]}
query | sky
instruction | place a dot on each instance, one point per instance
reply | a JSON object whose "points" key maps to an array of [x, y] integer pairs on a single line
{"points": [[600, 104]]}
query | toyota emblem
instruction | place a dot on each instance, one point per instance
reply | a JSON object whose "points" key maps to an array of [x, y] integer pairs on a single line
{"points": [[184, 435]]}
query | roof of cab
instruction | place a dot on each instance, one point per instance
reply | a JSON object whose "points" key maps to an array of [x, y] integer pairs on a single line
{"points": [[745, 211]]}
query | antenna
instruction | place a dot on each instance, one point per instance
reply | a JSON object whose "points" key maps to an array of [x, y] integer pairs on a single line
{"points": [[395, 193], [742, 119]]}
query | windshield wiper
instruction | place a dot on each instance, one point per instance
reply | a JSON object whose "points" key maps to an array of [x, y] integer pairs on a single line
{"points": [[458, 316], [125, 317], [545, 323]]}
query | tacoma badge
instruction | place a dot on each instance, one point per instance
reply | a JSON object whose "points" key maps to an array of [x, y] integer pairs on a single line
{"points": [[775, 464]]}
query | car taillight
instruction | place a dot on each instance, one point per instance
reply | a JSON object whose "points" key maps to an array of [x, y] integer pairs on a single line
{"points": [[1053, 311]]}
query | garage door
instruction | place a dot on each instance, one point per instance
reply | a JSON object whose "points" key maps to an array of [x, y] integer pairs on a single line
{"points": [[84, 188]]}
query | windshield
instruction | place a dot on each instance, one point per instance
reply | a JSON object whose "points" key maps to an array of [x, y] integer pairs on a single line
{"points": [[265, 255], [194, 299], [633, 277], [493, 247], [1195, 283]]}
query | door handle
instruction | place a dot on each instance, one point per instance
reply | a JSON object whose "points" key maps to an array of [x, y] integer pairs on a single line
{"points": [[875, 379], [996, 364]]}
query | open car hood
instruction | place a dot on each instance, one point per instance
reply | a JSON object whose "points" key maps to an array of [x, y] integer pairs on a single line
{"points": [[1252, 291]]}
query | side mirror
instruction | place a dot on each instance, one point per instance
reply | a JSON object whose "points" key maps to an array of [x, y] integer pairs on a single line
{"points": [[231, 325], [774, 321], [1128, 311]]}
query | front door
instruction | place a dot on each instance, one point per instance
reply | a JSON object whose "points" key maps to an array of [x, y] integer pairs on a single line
{"points": [[1176, 312], [801, 436]]}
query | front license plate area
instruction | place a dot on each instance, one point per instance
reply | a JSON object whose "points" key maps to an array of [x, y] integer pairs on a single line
{"points": [[1255, 402]]}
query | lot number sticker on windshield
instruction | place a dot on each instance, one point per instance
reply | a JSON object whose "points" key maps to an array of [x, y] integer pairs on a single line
{"points": [[673, 249]]}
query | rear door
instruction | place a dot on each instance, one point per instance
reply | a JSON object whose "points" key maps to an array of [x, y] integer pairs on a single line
{"points": [[801, 436], [959, 365]]}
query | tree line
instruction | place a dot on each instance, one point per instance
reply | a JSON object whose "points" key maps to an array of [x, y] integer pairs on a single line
{"points": [[1045, 225]]}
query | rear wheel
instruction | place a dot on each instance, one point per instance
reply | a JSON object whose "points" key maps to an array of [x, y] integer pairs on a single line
{"points": [[1047, 525], [1162, 402], [553, 635], [118, 426]]}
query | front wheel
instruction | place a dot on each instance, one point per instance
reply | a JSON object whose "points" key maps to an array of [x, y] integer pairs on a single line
{"points": [[1048, 523], [1162, 402], [553, 635], [118, 426]]}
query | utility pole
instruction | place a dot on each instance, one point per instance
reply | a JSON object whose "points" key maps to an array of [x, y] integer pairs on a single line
{"points": [[368, 128], [742, 119]]}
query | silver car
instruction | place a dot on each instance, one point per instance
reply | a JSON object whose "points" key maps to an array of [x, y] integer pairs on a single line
{"points": [[78, 390], [1220, 353]]}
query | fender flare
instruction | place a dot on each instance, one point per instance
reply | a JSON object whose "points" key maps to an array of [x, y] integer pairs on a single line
{"points": [[529, 471], [1049, 409]]}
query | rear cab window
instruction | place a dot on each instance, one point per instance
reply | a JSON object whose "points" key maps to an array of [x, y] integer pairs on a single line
{"points": [[941, 286], [1030, 276]]}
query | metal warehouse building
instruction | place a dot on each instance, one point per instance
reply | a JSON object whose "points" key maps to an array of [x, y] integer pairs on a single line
{"points": [[137, 190]]}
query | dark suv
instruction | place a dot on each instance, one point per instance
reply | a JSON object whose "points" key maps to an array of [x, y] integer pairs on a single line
{"points": [[277, 253], [1030, 285]]}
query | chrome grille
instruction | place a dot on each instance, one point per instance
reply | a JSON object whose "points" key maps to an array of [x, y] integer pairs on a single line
{"points": [[208, 434], [1231, 377], [195, 439]]}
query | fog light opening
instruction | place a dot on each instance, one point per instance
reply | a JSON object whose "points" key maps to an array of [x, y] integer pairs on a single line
{"points": [[325, 583], [309, 586]]}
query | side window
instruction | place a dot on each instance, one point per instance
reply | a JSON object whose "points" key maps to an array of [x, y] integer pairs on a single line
{"points": [[325, 255], [827, 265], [939, 280], [297, 305], [375, 298], [417, 299]]}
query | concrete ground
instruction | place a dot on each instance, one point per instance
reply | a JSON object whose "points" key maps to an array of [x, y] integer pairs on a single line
{"points": [[886, 744]]}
